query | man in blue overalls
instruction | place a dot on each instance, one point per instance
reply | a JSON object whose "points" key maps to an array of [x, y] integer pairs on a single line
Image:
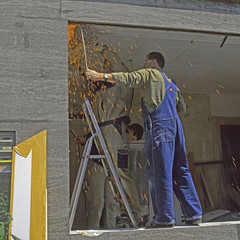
{"points": [[167, 166]]}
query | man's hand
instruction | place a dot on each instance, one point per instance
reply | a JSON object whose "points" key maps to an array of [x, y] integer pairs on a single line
{"points": [[96, 76], [80, 139], [93, 75]]}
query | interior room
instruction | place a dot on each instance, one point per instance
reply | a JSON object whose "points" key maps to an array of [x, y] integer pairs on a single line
{"points": [[205, 67]]}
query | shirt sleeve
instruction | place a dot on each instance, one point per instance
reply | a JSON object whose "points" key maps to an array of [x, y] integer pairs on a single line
{"points": [[134, 79], [181, 105]]}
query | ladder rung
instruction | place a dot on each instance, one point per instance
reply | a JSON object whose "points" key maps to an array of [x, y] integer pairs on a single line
{"points": [[95, 156]]}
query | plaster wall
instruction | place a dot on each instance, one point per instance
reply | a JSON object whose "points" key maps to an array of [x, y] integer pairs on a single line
{"points": [[197, 127], [230, 102], [198, 131], [201, 123]]}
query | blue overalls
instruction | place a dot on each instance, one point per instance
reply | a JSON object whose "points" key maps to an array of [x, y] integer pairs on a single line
{"points": [[167, 166]]}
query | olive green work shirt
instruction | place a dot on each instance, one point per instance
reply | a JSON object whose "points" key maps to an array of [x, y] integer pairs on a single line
{"points": [[112, 103], [152, 87]]}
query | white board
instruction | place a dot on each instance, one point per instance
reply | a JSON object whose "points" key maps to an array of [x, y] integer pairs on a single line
{"points": [[22, 196]]}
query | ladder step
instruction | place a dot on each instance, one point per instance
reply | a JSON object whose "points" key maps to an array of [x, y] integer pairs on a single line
{"points": [[97, 156], [93, 156]]}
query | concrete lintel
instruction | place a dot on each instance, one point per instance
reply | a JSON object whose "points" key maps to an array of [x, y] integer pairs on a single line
{"points": [[220, 6], [149, 17]]}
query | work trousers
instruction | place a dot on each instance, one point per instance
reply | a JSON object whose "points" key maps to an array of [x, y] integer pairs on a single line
{"points": [[101, 208], [100, 202], [116, 141], [167, 171]]}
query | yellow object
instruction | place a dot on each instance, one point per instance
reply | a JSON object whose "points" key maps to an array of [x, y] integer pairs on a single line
{"points": [[38, 214]]}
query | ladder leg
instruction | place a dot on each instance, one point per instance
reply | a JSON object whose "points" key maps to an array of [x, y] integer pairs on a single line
{"points": [[79, 184], [78, 175], [75, 185]]}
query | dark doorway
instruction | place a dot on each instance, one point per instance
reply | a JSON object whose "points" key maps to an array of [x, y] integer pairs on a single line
{"points": [[230, 136]]}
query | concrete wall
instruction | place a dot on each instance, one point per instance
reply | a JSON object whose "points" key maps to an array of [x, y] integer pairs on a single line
{"points": [[34, 77], [221, 6], [150, 17], [34, 96]]}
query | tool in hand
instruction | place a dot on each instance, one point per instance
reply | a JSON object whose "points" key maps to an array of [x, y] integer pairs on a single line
{"points": [[84, 49]]}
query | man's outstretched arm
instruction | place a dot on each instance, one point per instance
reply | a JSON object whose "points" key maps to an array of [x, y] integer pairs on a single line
{"points": [[134, 79], [96, 76]]}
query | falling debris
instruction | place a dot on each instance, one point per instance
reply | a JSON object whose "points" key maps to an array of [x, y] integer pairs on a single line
{"points": [[139, 165], [194, 42], [234, 164], [128, 51], [221, 86], [145, 196], [190, 64], [148, 162]]}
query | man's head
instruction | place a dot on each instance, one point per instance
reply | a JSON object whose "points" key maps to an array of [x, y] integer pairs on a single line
{"points": [[154, 60], [135, 131]]}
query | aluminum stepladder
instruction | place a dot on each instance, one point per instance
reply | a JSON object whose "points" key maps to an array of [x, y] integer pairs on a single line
{"points": [[96, 132]]}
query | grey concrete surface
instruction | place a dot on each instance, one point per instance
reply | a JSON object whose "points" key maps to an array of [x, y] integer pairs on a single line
{"points": [[207, 231], [149, 17], [223, 6]]}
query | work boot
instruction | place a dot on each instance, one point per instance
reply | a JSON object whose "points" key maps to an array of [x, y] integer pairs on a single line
{"points": [[140, 223], [124, 222], [193, 222], [157, 225]]}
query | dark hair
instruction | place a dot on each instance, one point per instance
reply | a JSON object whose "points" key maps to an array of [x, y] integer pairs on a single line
{"points": [[159, 57], [137, 130]]}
